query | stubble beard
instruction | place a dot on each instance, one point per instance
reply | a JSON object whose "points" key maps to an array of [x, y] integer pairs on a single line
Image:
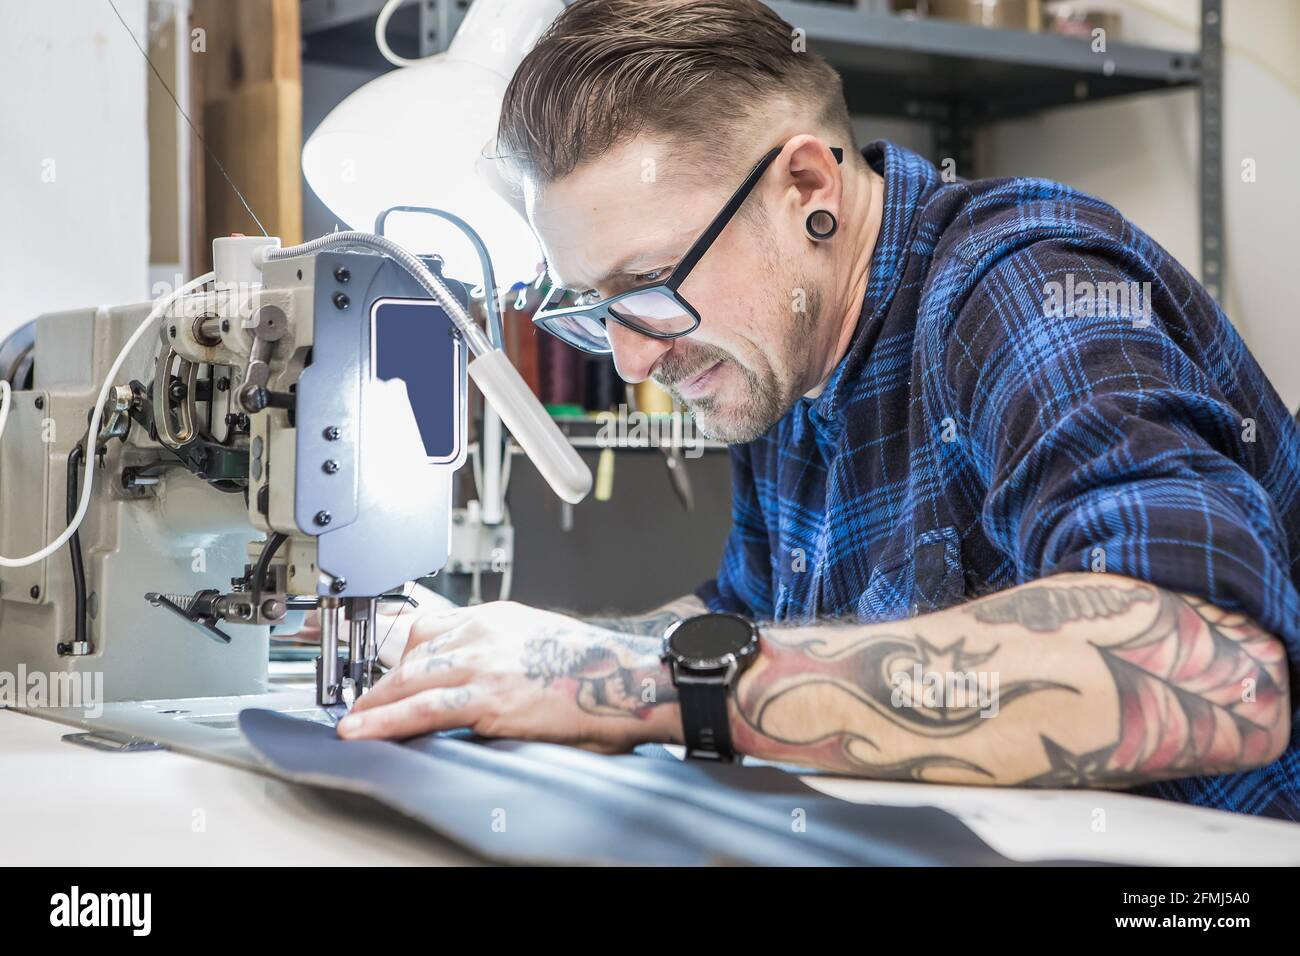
{"points": [[765, 393]]}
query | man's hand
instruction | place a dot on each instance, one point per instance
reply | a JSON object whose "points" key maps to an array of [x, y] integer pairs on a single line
{"points": [[393, 628], [507, 670]]}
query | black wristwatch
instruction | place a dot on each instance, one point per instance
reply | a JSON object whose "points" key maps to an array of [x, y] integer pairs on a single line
{"points": [[705, 655]]}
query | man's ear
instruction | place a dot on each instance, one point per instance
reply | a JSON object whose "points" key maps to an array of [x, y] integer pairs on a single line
{"points": [[813, 173]]}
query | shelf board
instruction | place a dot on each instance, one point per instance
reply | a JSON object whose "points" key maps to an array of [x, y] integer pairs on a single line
{"points": [[893, 66], [923, 68]]}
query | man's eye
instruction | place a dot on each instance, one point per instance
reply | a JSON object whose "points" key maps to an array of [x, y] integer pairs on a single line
{"points": [[647, 277], [585, 298]]}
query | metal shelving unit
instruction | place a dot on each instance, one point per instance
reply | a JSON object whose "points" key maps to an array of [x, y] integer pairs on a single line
{"points": [[952, 76], [956, 77], [342, 30]]}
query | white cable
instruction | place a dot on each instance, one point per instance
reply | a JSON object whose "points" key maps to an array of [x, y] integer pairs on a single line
{"points": [[381, 38], [93, 433], [475, 471], [478, 341], [4, 405], [500, 382], [505, 479], [507, 580]]}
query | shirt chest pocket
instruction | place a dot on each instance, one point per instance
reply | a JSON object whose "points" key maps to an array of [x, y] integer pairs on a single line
{"points": [[939, 579], [928, 576], [794, 576]]}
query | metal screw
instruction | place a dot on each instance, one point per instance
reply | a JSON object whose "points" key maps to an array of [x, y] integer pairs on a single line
{"points": [[273, 609], [342, 274], [40, 401], [225, 325], [330, 466], [332, 433], [339, 585], [172, 331], [223, 384], [323, 518], [256, 399], [35, 592], [341, 301]]}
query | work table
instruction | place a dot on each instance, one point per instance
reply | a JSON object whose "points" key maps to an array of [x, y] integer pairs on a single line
{"points": [[71, 805]]}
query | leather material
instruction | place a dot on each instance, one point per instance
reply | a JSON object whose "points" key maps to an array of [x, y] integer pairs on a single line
{"points": [[519, 802]]}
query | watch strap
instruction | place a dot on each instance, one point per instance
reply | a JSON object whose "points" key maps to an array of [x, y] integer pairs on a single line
{"points": [[705, 724]]}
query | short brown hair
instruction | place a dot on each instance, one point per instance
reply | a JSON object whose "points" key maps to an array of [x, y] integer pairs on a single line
{"points": [[693, 70]]}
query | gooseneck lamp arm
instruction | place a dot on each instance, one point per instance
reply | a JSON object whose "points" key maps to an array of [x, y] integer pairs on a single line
{"points": [[501, 384]]}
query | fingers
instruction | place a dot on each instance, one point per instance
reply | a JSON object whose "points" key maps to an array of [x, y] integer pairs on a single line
{"points": [[435, 625], [417, 647], [396, 621], [393, 632], [439, 708], [413, 676]]}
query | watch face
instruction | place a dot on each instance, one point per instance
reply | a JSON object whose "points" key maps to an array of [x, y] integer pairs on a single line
{"points": [[711, 637]]}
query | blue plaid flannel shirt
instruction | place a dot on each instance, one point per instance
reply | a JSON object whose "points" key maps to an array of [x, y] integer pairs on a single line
{"points": [[967, 443]]}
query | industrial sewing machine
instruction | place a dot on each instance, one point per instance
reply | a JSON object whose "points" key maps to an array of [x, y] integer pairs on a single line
{"points": [[282, 441]]}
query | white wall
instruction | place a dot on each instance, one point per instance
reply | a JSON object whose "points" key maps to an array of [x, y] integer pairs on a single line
{"points": [[74, 178], [1140, 155]]}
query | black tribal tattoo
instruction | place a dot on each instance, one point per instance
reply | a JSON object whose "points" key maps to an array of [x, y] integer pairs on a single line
{"points": [[876, 671], [1199, 691], [1046, 607]]}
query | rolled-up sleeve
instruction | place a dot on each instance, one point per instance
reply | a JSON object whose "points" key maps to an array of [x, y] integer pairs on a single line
{"points": [[1104, 445]]}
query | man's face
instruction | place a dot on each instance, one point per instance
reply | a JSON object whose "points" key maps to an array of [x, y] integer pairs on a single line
{"points": [[627, 219]]}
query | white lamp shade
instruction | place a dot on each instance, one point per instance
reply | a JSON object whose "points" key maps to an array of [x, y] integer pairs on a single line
{"points": [[418, 136]]}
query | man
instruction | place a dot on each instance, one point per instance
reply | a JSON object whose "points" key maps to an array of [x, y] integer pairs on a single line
{"points": [[1013, 504]]}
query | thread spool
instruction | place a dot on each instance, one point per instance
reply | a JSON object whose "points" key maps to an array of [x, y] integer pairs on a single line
{"points": [[561, 373], [604, 389], [652, 399]]}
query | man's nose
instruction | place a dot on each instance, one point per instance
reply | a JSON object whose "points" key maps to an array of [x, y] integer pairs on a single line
{"points": [[635, 354]]}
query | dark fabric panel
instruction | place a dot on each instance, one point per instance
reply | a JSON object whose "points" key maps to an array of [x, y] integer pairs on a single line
{"points": [[520, 802]]}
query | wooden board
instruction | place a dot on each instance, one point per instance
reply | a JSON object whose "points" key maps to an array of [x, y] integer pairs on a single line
{"points": [[251, 87]]}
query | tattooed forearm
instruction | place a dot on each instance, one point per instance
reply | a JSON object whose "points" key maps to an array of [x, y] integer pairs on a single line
{"points": [[890, 674], [1083, 681], [608, 669], [871, 687], [1200, 691], [1047, 607]]}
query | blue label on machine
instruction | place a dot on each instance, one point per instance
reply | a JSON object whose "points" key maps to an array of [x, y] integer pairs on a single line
{"points": [[415, 340]]}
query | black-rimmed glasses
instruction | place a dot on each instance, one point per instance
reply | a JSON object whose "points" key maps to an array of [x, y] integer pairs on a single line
{"points": [[659, 311]]}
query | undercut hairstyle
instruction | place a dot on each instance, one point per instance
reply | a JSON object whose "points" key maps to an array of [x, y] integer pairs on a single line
{"points": [[700, 73]]}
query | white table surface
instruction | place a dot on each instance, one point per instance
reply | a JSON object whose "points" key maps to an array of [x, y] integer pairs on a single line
{"points": [[62, 804]]}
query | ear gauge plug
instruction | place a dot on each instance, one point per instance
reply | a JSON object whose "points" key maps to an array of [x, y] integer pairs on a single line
{"points": [[821, 224]]}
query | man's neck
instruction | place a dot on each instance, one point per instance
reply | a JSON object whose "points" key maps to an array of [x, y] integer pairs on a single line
{"points": [[860, 219]]}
